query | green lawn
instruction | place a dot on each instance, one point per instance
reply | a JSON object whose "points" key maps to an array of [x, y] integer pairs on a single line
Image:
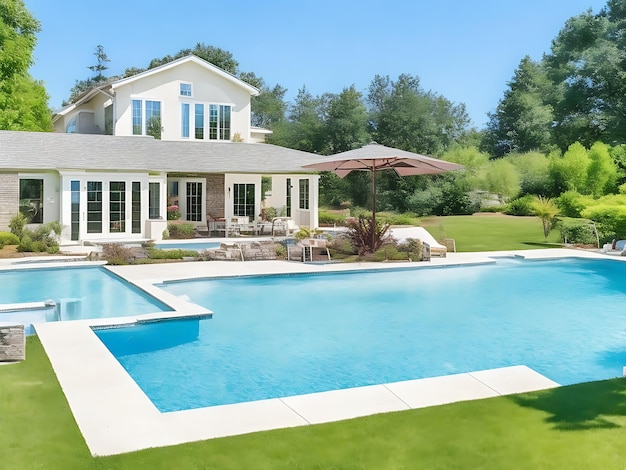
{"points": [[490, 232], [575, 427]]}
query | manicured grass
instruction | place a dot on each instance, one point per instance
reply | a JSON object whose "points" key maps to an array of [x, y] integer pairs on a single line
{"points": [[576, 427], [490, 232]]}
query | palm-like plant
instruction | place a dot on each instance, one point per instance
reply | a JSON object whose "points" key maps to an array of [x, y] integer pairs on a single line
{"points": [[547, 210]]}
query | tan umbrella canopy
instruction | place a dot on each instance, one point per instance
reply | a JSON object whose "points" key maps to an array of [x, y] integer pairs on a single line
{"points": [[373, 157]]}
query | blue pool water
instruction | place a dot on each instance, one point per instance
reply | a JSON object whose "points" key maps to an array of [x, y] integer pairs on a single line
{"points": [[279, 336], [198, 246], [89, 292]]}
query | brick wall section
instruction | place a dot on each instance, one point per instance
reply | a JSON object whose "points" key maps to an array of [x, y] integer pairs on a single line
{"points": [[215, 195], [9, 198], [12, 343]]}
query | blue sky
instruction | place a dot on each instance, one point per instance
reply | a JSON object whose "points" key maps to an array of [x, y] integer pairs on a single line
{"points": [[464, 50]]}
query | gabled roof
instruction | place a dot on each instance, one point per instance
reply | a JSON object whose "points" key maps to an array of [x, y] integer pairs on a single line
{"points": [[41, 151], [88, 95], [83, 99], [196, 60]]}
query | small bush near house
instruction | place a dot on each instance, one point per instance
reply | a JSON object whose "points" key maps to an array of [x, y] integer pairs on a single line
{"points": [[8, 238], [181, 230], [116, 254], [41, 240], [17, 223]]}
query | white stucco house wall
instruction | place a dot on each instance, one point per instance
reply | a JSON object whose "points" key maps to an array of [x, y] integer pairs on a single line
{"points": [[188, 99], [104, 176]]}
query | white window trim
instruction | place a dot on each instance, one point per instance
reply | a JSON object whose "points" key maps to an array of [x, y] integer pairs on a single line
{"points": [[192, 119], [180, 91], [143, 113]]}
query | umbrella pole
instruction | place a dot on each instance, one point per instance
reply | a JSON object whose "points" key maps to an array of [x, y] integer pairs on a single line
{"points": [[373, 206]]}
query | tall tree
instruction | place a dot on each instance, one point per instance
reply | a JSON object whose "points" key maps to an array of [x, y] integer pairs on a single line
{"points": [[218, 57], [18, 29], [23, 101], [100, 66], [402, 115], [588, 61], [523, 120], [345, 127], [303, 129]]}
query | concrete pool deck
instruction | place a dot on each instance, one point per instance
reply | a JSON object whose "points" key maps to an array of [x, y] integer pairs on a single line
{"points": [[115, 416]]}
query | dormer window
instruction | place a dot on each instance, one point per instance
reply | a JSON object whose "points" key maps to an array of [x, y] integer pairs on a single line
{"points": [[185, 89]]}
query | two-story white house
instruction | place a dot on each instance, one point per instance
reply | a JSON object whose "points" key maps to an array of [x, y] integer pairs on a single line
{"points": [[104, 176]]}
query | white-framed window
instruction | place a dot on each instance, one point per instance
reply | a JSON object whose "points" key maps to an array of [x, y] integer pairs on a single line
{"points": [[31, 199], [148, 123], [199, 121], [202, 121], [185, 89], [303, 194], [189, 197], [219, 122], [184, 119], [71, 127]]}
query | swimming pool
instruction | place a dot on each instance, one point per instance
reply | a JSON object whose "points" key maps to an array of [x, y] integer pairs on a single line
{"points": [[278, 336], [197, 246], [79, 293]]}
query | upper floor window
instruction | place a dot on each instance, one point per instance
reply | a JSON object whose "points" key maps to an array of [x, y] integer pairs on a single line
{"points": [[150, 123], [205, 121], [219, 122], [199, 127], [185, 89], [184, 119]]}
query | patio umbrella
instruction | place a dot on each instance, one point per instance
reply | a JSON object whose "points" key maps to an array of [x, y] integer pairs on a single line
{"points": [[373, 157]]}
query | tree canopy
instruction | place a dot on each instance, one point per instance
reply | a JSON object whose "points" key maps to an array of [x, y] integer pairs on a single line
{"points": [[23, 101], [576, 93]]}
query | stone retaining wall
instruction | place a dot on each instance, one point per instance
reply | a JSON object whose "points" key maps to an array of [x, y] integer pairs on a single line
{"points": [[12, 343]]}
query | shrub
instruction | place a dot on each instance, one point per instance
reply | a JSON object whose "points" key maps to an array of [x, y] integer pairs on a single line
{"points": [[571, 204], [27, 244], [414, 249], [17, 223], [173, 213], [155, 253], [389, 252], [181, 230], [521, 207], [331, 218], [501, 208], [281, 251], [40, 240], [392, 218], [8, 238], [116, 253], [270, 213], [610, 220], [365, 237], [577, 231]]}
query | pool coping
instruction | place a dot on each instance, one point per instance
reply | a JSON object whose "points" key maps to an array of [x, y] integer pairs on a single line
{"points": [[115, 416]]}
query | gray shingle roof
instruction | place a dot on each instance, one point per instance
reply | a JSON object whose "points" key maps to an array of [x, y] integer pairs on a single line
{"points": [[54, 151]]}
